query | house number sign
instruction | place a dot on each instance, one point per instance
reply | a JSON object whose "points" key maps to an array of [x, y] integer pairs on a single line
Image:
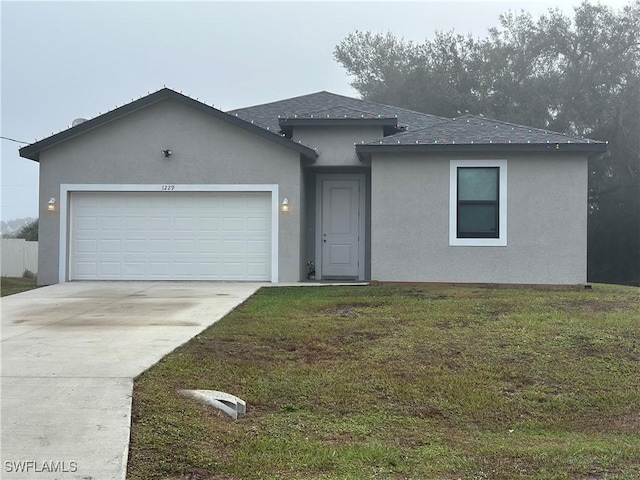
{"points": [[168, 188]]}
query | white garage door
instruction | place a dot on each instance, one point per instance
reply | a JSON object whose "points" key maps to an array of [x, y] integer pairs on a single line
{"points": [[170, 236]]}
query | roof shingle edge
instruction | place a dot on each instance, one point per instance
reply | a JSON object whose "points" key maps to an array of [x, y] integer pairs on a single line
{"points": [[482, 147], [32, 151]]}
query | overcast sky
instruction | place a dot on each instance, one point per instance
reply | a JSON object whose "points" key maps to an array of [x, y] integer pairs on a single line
{"points": [[64, 60]]}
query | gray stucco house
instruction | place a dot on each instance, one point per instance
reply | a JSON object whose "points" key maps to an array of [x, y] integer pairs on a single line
{"points": [[168, 188]]}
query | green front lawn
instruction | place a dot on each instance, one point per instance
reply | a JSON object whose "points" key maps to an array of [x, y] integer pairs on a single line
{"points": [[389, 382], [10, 285]]}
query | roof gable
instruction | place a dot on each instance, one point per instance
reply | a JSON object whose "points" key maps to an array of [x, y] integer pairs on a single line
{"points": [[33, 150]]}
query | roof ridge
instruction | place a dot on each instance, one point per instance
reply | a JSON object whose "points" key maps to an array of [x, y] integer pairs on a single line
{"points": [[369, 102], [383, 104], [404, 109], [280, 101], [341, 108]]}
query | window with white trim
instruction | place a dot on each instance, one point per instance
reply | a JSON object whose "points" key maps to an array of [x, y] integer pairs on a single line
{"points": [[478, 203]]}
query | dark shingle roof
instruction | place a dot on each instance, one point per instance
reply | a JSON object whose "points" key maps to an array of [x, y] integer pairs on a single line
{"points": [[472, 132], [338, 112], [424, 132], [267, 115]]}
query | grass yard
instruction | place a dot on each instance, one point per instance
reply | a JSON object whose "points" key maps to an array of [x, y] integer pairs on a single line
{"points": [[10, 285], [393, 382]]}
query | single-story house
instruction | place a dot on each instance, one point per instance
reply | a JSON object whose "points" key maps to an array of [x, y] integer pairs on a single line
{"points": [[318, 186]]}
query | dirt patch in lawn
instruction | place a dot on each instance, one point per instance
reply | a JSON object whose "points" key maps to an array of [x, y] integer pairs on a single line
{"points": [[583, 305], [350, 309], [629, 423], [200, 474]]}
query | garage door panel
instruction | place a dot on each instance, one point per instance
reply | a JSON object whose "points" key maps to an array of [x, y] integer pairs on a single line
{"points": [[160, 268], [162, 224], [86, 201], [257, 247], [138, 245], [86, 223], [185, 224], [133, 270], [209, 205], [184, 246], [87, 246], [185, 269], [233, 224], [232, 203], [159, 246], [257, 224], [208, 246], [111, 223], [234, 247], [111, 246], [208, 224], [111, 268], [135, 224], [207, 268], [87, 268], [257, 269], [257, 205], [197, 236], [232, 270], [132, 203]]}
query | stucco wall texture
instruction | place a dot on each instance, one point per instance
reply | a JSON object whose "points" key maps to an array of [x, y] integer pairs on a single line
{"points": [[335, 144], [205, 150], [409, 209], [546, 225]]}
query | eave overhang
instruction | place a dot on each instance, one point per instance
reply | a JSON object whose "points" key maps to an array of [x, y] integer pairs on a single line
{"points": [[32, 151], [365, 150]]}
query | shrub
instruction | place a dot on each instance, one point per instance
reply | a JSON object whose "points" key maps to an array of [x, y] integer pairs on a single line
{"points": [[28, 274]]}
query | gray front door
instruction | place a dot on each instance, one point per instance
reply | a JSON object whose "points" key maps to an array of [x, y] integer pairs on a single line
{"points": [[341, 240]]}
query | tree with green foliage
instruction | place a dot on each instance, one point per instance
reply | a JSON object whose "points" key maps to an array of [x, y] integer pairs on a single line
{"points": [[29, 231], [578, 76]]}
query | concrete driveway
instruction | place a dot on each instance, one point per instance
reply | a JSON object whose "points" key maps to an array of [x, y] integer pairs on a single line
{"points": [[69, 355]]}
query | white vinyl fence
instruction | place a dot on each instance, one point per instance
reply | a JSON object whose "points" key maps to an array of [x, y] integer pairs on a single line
{"points": [[17, 256]]}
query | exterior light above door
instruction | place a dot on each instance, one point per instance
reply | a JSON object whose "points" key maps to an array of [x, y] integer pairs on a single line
{"points": [[51, 205], [285, 205]]}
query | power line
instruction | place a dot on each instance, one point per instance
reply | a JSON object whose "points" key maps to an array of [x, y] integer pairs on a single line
{"points": [[13, 140]]}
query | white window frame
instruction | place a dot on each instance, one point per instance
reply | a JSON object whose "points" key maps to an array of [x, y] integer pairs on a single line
{"points": [[454, 241]]}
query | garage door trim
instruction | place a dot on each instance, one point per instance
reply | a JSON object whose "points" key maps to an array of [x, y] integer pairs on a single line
{"points": [[67, 189]]}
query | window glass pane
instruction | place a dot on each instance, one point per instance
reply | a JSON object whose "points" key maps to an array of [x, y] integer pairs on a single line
{"points": [[477, 220], [478, 183]]}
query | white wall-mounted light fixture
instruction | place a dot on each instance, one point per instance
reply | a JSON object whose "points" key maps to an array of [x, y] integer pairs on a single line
{"points": [[285, 205], [51, 205], [167, 153]]}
